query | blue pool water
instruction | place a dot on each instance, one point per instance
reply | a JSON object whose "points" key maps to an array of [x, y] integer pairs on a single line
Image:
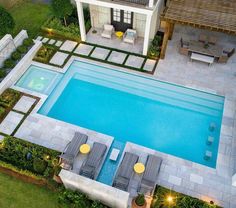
{"points": [[39, 80], [158, 115]]}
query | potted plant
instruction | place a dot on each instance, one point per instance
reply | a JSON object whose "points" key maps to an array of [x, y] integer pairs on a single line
{"points": [[139, 201]]}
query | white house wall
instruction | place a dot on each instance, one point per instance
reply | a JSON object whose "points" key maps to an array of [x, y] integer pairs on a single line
{"points": [[139, 23], [99, 16]]}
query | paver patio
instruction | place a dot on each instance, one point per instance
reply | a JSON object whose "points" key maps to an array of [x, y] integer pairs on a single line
{"points": [[117, 57], [59, 58], [134, 61], [10, 122], [24, 104], [83, 49], [100, 53], [68, 45], [149, 65]]}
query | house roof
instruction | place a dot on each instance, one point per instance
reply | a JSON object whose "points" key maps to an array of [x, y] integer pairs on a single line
{"points": [[217, 15]]}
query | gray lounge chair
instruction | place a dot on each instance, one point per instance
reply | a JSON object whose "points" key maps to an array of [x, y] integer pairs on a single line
{"points": [[148, 181], [125, 171], [72, 149], [95, 157]]}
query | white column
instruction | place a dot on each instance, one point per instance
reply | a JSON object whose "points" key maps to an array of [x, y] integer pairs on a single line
{"points": [[151, 3], [147, 34], [81, 20], [234, 180]]}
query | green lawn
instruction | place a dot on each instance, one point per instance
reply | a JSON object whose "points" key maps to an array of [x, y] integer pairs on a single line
{"points": [[30, 16], [17, 194]]}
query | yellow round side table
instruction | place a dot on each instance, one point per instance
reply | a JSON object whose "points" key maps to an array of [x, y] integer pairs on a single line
{"points": [[119, 34], [84, 149], [139, 168]]}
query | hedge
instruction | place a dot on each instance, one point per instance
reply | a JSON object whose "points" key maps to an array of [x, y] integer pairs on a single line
{"points": [[28, 156]]}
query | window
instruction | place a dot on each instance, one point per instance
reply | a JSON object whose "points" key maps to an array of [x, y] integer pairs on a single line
{"points": [[127, 17], [116, 15]]}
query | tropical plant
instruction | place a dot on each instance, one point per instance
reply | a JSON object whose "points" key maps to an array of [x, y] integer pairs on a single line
{"points": [[15, 55], [62, 9], [140, 200], [7, 23]]}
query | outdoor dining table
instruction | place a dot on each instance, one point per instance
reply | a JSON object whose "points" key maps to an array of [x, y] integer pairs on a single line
{"points": [[206, 49]]}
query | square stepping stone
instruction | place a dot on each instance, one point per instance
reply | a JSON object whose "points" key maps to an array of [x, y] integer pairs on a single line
{"points": [[24, 104], [68, 45], [117, 57], [45, 40], [83, 49], [58, 43], [149, 65], [59, 58], [100, 53], [51, 42], [134, 61], [9, 124], [39, 38], [114, 154]]}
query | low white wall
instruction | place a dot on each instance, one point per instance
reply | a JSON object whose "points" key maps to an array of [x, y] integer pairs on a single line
{"points": [[22, 35], [9, 45], [20, 68], [108, 195]]}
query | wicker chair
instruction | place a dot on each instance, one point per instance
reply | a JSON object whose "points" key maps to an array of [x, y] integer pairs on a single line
{"points": [[212, 40], [202, 38]]}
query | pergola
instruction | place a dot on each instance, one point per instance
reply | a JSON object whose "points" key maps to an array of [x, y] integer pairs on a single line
{"points": [[217, 15]]}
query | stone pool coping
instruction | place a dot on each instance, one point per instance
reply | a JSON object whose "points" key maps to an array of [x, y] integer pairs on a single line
{"points": [[176, 173]]}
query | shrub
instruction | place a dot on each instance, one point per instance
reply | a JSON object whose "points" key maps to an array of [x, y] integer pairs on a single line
{"points": [[2, 112], [15, 150], [7, 23], [22, 49], [9, 64], [2, 73], [15, 55], [39, 165], [28, 42], [179, 200], [140, 200], [77, 200], [9, 98]]}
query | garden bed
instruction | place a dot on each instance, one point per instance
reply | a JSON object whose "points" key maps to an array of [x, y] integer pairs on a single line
{"points": [[7, 101], [155, 47], [44, 54], [166, 198]]}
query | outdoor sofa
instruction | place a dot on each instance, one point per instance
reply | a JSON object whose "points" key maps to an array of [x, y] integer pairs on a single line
{"points": [[149, 178], [95, 157], [72, 150], [125, 171]]}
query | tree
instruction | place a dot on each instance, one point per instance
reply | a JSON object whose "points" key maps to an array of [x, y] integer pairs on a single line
{"points": [[62, 9], [7, 23]]}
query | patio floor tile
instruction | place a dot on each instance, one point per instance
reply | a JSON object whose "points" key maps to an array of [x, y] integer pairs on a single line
{"points": [[24, 104], [134, 61], [51, 42], [117, 57], [45, 40], [58, 43], [68, 45], [59, 58], [39, 38], [149, 65], [100, 53], [10, 122], [83, 49]]}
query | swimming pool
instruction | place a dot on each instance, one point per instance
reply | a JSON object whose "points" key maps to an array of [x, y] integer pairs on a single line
{"points": [[158, 115]]}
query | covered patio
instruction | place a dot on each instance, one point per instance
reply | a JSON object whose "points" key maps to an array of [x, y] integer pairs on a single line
{"points": [[213, 15], [114, 42]]}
